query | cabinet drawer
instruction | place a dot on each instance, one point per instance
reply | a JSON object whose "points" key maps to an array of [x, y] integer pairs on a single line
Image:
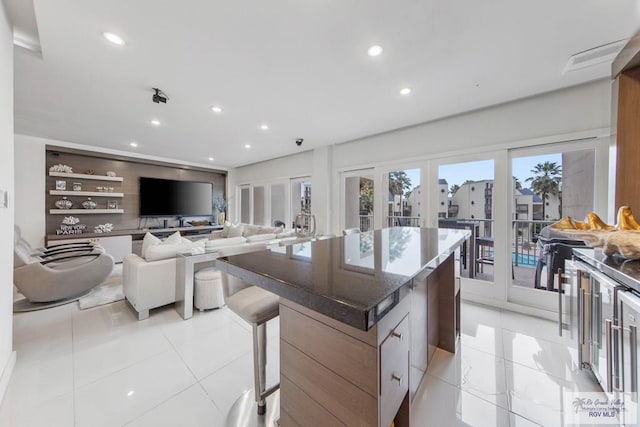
{"points": [[394, 371]]}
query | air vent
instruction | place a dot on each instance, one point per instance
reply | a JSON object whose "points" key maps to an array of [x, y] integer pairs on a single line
{"points": [[597, 55]]}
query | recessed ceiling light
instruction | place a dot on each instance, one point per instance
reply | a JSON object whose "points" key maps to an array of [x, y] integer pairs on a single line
{"points": [[247, 145], [114, 38], [374, 50], [405, 91], [211, 159], [264, 126], [133, 144], [216, 109], [155, 122]]}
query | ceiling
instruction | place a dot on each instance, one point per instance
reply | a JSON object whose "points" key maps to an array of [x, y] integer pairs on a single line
{"points": [[299, 66]]}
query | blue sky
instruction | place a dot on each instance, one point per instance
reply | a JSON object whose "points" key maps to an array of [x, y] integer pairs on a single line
{"points": [[476, 171]]}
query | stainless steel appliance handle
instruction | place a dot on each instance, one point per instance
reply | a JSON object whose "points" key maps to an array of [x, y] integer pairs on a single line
{"points": [[597, 300], [560, 283], [581, 316], [633, 355], [609, 352]]}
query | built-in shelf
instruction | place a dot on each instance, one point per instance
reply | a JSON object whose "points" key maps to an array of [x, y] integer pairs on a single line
{"points": [[86, 176], [84, 211], [84, 193]]}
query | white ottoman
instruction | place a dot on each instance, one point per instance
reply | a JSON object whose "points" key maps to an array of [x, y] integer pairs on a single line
{"points": [[208, 289]]}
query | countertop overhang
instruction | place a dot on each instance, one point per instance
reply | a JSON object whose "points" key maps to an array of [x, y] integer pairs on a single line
{"points": [[625, 271], [355, 279]]}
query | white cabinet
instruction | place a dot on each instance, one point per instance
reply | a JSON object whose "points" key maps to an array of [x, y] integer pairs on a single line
{"points": [[116, 246]]}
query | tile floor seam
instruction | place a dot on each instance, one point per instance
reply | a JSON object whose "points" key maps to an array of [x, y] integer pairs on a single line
{"points": [[542, 371], [123, 368], [159, 404], [479, 394]]}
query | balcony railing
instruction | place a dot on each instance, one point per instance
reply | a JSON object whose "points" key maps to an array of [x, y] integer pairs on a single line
{"points": [[403, 221], [366, 223]]}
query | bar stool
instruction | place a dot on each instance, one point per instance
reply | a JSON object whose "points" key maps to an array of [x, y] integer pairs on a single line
{"points": [[256, 306]]}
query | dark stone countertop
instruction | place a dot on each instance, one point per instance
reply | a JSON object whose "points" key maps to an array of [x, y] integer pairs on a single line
{"points": [[355, 279], [625, 271]]}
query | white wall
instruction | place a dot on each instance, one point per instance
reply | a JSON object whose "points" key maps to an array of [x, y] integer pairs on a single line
{"points": [[29, 156], [562, 112], [541, 119], [7, 356]]}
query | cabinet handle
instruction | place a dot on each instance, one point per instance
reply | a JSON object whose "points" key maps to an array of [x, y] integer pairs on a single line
{"points": [[633, 355], [397, 335], [560, 283], [397, 378], [609, 351]]}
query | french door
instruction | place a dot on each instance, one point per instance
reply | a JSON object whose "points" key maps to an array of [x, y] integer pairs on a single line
{"points": [[548, 183], [357, 198]]}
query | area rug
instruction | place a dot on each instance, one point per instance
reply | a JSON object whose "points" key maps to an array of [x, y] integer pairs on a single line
{"points": [[107, 292]]}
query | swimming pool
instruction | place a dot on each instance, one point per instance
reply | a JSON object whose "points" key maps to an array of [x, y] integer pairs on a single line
{"points": [[524, 260]]}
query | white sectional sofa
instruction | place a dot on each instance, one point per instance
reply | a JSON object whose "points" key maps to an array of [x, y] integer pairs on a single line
{"points": [[149, 280]]}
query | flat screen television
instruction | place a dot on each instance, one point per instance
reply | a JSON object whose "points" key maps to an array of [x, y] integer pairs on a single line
{"points": [[167, 197]]}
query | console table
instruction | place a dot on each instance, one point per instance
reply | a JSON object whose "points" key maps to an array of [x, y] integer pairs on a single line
{"points": [[360, 318]]}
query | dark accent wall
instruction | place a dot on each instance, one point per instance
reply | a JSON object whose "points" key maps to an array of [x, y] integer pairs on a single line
{"points": [[130, 169]]}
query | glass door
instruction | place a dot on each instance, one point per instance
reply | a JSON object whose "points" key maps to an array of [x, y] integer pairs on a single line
{"points": [[402, 207], [547, 184], [470, 205], [300, 197], [245, 204], [358, 199]]}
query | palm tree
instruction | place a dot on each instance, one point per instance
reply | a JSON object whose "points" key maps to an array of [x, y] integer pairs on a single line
{"points": [[547, 181], [399, 182], [366, 196], [517, 183], [453, 189]]}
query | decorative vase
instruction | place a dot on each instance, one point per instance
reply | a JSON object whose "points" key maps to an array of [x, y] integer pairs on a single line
{"points": [[221, 218], [63, 203], [89, 204]]}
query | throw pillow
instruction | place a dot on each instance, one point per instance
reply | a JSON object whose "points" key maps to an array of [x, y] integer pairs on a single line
{"points": [[174, 239], [158, 252], [148, 241], [235, 230]]}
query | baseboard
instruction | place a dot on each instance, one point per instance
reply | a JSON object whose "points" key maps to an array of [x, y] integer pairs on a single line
{"points": [[6, 374], [510, 306]]}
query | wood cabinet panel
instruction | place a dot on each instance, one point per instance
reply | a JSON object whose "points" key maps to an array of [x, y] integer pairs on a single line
{"points": [[368, 337], [301, 410], [628, 135], [350, 404], [355, 360]]}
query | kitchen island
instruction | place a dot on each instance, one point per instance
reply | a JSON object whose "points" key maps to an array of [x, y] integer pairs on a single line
{"points": [[360, 318]]}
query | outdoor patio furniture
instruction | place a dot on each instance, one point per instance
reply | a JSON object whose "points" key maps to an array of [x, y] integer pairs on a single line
{"points": [[553, 253]]}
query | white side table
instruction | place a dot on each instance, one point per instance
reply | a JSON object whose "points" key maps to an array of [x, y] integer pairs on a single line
{"points": [[185, 263]]}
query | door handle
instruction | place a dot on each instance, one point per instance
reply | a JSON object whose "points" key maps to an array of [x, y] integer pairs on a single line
{"points": [[561, 278], [609, 352], [633, 355], [597, 302], [581, 307]]}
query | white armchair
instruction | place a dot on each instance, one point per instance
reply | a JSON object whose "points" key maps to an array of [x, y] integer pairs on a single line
{"points": [[148, 285]]}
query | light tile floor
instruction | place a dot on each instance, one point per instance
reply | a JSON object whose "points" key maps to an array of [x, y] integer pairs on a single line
{"points": [[102, 367]]}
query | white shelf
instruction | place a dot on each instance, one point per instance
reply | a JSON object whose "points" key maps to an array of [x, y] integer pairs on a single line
{"points": [[86, 176], [85, 193], [84, 211]]}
